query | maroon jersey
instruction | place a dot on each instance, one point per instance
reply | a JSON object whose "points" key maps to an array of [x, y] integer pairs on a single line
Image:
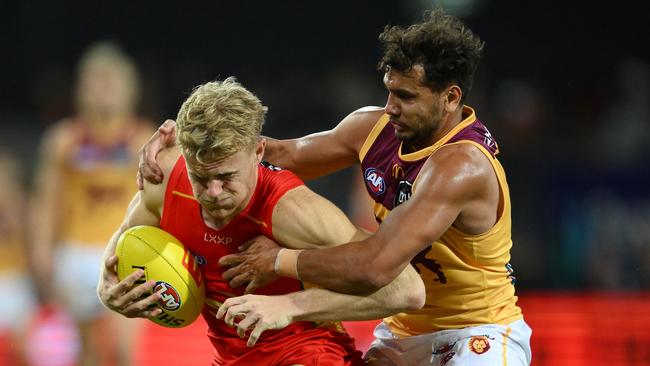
{"points": [[389, 174]]}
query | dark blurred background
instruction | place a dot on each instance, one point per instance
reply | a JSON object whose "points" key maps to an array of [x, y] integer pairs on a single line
{"points": [[564, 88]]}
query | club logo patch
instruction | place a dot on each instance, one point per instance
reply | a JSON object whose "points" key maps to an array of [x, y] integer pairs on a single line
{"points": [[375, 181], [479, 344], [169, 298]]}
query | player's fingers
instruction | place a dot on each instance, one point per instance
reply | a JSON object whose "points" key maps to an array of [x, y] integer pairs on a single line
{"points": [[231, 273], [248, 322], [227, 304], [135, 294], [239, 280], [237, 311], [256, 333], [127, 283], [139, 181], [246, 245], [231, 259], [252, 287], [110, 263], [168, 126], [143, 308]]}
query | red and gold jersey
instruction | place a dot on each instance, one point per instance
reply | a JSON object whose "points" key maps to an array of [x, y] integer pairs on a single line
{"points": [[467, 277], [182, 218]]}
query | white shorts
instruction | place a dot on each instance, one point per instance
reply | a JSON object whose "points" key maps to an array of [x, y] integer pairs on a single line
{"points": [[490, 344], [18, 303], [77, 270]]}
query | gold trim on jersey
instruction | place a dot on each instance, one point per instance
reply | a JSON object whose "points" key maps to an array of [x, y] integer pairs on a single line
{"points": [[427, 151], [258, 222], [381, 212], [184, 195], [505, 345], [372, 136]]}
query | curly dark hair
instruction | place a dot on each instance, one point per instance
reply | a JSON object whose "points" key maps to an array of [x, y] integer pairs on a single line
{"points": [[447, 49]]}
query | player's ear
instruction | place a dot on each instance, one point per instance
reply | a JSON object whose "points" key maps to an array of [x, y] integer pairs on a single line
{"points": [[259, 148], [452, 96]]}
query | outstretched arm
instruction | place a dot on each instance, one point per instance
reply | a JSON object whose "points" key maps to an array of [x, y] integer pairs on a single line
{"points": [[260, 312], [309, 157], [302, 219], [453, 179]]}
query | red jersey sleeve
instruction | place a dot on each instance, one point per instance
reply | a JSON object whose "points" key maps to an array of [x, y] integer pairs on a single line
{"points": [[273, 183]]}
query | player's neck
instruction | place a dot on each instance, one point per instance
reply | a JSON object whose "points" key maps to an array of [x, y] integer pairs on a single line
{"points": [[106, 129]]}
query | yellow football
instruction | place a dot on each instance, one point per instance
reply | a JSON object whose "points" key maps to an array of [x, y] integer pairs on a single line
{"points": [[179, 279]]}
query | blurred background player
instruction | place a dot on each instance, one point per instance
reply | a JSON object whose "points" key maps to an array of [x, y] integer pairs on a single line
{"points": [[15, 310], [83, 182]]}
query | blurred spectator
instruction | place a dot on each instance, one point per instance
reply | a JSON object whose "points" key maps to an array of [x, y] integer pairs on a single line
{"points": [[85, 178], [15, 308]]}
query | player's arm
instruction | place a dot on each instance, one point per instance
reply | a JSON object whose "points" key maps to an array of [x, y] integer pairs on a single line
{"points": [[309, 157], [449, 182], [302, 219], [44, 206], [122, 296], [321, 153]]}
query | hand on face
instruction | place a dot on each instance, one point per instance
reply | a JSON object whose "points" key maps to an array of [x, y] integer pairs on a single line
{"points": [[123, 296], [253, 266]]}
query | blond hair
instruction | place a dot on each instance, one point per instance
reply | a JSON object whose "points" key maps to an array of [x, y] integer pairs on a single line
{"points": [[219, 119]]}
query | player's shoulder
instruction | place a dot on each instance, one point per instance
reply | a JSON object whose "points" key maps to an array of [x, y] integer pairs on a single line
{"points": [[167, 159], [60, 136], [365, 116], [273, 175], [463, 164]]}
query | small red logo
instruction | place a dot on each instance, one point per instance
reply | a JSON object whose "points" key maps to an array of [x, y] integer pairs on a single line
{"points": [[169, 298], [479, 344]]}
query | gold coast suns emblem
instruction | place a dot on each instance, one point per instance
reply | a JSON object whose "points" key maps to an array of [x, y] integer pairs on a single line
{"points": [[479, 344]]}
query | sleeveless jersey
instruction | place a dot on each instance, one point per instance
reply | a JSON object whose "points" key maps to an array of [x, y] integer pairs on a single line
{"points": [[97, 184], [467, 277], [182, 218], [12, 243]]}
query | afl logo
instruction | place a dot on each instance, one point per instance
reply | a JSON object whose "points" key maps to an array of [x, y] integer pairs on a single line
{"points": [[375, 181], [169, 299]]}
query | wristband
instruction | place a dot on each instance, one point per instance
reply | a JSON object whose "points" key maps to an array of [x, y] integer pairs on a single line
{"points": [[286, 263]]}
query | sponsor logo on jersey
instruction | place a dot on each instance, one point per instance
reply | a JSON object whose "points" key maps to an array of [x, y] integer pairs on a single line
{"points": [[479, 344], [169, 298], [216, 239], [375, 181], [397, 171], [403, 194]]}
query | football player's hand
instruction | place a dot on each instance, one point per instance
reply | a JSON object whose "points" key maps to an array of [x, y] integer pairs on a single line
{"points": [[124, 296], [148, 168], [253, 266], [257, 313]]}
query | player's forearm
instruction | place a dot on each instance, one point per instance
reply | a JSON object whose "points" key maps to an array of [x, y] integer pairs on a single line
{"points": [[308, 156], [405, 293], [357, 267]]}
